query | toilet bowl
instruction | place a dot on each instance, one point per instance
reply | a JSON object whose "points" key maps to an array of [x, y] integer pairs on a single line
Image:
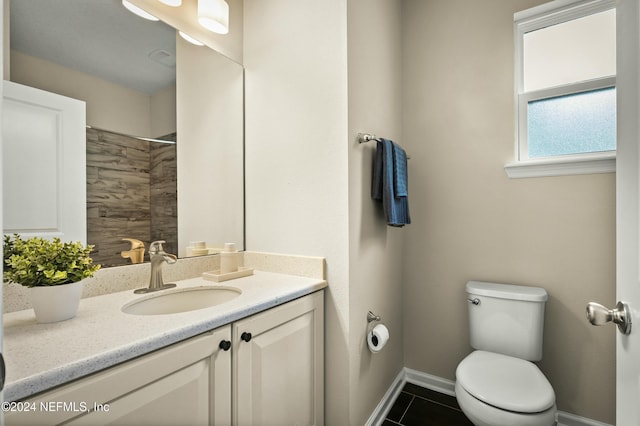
{"points": [[499, 390]]}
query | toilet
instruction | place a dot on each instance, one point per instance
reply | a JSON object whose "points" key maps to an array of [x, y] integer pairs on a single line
{"points": [[498, 384]]}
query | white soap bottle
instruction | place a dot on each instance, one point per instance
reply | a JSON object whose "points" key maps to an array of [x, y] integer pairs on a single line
{"points": [[229, 259]]}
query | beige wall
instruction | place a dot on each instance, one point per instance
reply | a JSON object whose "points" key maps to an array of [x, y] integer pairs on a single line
{"points": [[375, 249], [209, 148], [163, 112], [472, 222], [310, 88], [296, 164], [109, 106]]}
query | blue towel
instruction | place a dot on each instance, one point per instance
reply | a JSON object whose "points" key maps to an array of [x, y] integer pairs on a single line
{"points": [[400, 171], [389, 182]]}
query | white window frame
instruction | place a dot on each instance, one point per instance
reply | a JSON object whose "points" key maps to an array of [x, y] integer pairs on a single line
{"points": [[545, 15]]}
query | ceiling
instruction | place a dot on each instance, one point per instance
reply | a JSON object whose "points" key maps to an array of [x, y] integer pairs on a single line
{"points": [[98, 37]]}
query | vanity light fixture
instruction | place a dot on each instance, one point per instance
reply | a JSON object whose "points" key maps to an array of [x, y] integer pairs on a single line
{"points": [[190, 39], [214, 15], [136, 10], [172, 3]]}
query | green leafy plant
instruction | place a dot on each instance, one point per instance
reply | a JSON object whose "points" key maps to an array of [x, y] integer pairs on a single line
{"points": [[36, 261]]}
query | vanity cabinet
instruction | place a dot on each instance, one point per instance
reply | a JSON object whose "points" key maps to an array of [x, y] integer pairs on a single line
{"points": [[266, 369], [184, 384]]}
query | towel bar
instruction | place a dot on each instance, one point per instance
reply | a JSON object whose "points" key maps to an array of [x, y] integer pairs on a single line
{"points": [[368, 137]]}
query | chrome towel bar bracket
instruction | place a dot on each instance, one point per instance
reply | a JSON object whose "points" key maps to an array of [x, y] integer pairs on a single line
{"points": [[368, 137]]}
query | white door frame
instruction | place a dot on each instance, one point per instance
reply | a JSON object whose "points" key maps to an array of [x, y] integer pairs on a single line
{"points": [[3, 9], [627, 210]]}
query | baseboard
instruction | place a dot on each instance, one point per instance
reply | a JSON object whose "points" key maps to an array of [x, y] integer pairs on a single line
{"points": [[568, 419], [382, 409], [429, 381], [438, 384]]}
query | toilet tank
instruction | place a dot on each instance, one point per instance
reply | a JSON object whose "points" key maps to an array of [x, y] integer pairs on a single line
{"points": [[507, 319]]}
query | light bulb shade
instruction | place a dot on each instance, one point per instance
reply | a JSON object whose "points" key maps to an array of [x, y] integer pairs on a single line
{"points": [[173, 3], [190, 39], [214, 15], [136, 10]]}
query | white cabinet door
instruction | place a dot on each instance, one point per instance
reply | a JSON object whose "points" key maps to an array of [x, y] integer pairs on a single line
{"points": [[279, 365], [185, 384], [43, 164]]}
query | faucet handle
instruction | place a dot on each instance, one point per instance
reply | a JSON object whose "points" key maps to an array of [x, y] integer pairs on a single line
{"points": [[156, 247]]}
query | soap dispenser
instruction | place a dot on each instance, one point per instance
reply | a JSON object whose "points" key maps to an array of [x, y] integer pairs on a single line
{"points": [[229, 259]]}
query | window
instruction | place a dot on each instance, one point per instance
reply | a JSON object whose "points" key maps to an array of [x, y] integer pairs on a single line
{"points": [[565, 89]]}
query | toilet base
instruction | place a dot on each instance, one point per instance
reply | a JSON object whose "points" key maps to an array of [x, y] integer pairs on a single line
{"points": [[482, 414]]}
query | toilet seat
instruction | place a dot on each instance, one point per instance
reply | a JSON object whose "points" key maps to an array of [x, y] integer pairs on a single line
{"points": [[482, 414], [505, 382]]}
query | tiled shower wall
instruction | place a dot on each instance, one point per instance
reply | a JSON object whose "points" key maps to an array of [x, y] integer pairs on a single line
{"points": [[131, 193]]}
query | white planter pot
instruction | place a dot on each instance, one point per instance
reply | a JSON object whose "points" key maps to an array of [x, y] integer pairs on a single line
{"points": [[56, 303]]}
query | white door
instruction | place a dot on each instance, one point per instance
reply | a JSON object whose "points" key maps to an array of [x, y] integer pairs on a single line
{"points": [[44, 164], [627, 215]]}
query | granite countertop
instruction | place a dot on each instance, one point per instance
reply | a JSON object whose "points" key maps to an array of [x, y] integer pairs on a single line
{"points": [[41, 356]]}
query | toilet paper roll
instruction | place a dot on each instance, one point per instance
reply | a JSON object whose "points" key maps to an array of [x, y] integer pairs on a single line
{"points": [[377, 338]]}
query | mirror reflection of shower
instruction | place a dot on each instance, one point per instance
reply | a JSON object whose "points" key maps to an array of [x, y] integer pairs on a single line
{"points": [[131, 193]]}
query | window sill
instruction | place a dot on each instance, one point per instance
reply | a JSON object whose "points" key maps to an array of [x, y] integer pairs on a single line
{"points": [[561, 167]]}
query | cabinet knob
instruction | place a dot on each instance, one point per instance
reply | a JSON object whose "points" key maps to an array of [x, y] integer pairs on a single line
{"points": [[225, 345], [246, 336]]}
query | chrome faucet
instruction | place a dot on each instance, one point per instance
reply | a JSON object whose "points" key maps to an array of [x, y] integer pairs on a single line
{"points": [[158, 258]]}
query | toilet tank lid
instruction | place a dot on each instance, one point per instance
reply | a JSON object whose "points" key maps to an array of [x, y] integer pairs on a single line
{"points": [[507, 291]]}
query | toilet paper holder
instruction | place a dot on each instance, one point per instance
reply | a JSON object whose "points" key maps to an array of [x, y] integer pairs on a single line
{"points": [[376, 339], [372, 319]]}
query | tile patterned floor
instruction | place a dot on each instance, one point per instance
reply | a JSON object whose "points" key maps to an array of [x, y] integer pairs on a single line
{"points": [[417, 406]]}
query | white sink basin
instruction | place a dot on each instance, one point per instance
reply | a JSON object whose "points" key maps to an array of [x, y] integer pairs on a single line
{"points": [[181, 300]]}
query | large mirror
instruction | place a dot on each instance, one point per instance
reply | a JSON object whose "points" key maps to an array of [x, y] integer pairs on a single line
{"points": [[164, 121]]}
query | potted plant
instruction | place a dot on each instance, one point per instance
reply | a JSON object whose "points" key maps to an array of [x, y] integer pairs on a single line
{"points": [[52, 270]]}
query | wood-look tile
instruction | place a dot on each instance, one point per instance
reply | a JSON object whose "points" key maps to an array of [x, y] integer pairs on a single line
{"points": [[123, 176]]}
